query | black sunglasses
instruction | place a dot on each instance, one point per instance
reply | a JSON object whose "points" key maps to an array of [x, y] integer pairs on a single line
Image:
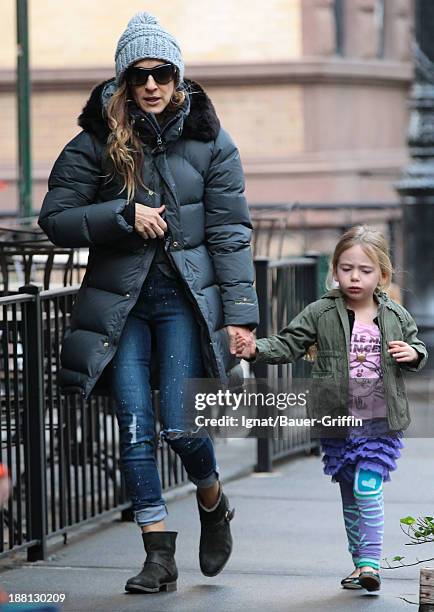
{"points": [[162, 74]]}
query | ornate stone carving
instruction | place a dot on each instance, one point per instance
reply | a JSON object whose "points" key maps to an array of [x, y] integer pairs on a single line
{"points": [[423, 65]]}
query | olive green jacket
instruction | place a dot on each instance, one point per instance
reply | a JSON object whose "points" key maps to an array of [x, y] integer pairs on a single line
{"points": [[326, 323]]}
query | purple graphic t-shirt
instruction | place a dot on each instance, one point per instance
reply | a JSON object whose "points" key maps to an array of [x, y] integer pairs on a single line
{"points": [[366, 388]]}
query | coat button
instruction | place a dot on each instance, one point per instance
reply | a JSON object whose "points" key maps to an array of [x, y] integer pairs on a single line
{"points": [[176, 244], [106, 344], [127, 295]]}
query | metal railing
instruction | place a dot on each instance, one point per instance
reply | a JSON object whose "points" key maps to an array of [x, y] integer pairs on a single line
{"points": [[28, 256], [284, 288], [62, 452], [281, 229]]}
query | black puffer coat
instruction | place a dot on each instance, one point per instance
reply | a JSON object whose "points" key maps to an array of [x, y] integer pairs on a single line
{"points": [[196, 168]]}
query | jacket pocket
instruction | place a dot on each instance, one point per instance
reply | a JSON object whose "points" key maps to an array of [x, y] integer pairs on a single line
{"points": [[400, 385], [321, 374], [327, 364]]}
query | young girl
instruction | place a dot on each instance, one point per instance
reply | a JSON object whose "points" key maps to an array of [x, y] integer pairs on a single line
{"points": [[364, 341]]}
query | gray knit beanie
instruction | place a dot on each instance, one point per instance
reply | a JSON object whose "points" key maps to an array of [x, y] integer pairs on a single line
{"points": [[145, 38]]}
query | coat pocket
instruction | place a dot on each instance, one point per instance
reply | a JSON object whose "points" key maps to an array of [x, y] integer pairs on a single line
{"points": [[327, 364]]}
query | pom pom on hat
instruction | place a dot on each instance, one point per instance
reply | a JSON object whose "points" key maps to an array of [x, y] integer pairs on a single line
{"points": [[141, 18]]}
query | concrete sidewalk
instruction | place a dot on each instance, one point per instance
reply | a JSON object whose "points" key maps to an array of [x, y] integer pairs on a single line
{"points": [[289, 555]]}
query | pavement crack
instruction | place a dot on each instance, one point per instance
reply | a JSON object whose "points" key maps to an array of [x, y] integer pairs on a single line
{"points": [[193, 570]]}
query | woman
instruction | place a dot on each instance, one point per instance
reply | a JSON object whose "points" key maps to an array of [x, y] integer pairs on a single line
{"points": [[154, 186]]}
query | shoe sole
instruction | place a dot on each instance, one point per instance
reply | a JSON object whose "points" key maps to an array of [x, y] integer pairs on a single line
{"points": [[352, 586], [167, 587], [370, 584]]}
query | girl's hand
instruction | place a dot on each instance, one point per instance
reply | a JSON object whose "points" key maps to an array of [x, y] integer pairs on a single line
{"points": [[402, 352], [148, 221], [245, 347]]}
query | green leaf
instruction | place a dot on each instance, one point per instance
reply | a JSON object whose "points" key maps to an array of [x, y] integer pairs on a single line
{"points": [[408, 520], [398, 558]]}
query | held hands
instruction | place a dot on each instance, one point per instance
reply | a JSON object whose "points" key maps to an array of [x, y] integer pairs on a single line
{"points": [[402, 352], [235, 332], [242, 342], [148, 221]]}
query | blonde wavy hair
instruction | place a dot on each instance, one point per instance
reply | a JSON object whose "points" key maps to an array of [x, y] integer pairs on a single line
{"points": [[124, 146], [374, 245]]}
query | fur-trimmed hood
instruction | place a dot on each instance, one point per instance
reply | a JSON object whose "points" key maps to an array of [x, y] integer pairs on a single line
{"points": [[201, 123]]}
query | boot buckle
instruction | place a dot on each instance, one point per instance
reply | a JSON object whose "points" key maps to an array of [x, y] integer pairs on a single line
{"points": [[229, 515]]}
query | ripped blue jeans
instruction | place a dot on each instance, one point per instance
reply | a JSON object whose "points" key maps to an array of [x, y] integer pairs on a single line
{"points": [[162, 322]]}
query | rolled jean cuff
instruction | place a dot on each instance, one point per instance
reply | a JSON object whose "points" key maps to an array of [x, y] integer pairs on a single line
{"points": [[205, 483], [149, 515]]}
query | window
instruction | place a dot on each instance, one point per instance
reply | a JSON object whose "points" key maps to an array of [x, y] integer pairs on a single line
{"points": [[339, 21], [379, 26]]}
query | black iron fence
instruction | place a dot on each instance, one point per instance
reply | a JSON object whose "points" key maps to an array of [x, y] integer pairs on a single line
{"points": [[62, 452], [284, 288], [28, 256], [286, 229]]}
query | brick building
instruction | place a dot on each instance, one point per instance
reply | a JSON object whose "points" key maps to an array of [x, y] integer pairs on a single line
{"points": [[313, 91]]}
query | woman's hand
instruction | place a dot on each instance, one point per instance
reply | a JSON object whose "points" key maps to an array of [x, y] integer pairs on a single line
{"points": [[148, 221], [402, 352], [233, 332], [245, 345]]}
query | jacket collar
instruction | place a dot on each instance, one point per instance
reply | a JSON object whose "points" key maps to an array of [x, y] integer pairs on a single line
{"points": [[346, 315], [157, 136], [199, 118], [382, 298]]}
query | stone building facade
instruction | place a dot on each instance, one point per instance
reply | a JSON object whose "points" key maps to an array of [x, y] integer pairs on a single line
{"points": [[313, 91]]}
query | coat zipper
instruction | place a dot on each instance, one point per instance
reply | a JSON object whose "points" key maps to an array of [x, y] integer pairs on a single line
{"points": [[201, 318], [160, 145], [384, 365]]}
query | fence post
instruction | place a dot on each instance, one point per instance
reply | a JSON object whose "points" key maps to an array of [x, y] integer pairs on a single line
{"points": [[34, 421], [264, 449]]}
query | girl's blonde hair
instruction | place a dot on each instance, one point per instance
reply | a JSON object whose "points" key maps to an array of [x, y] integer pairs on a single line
{"points": [[124, 146], [374, 245]]}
